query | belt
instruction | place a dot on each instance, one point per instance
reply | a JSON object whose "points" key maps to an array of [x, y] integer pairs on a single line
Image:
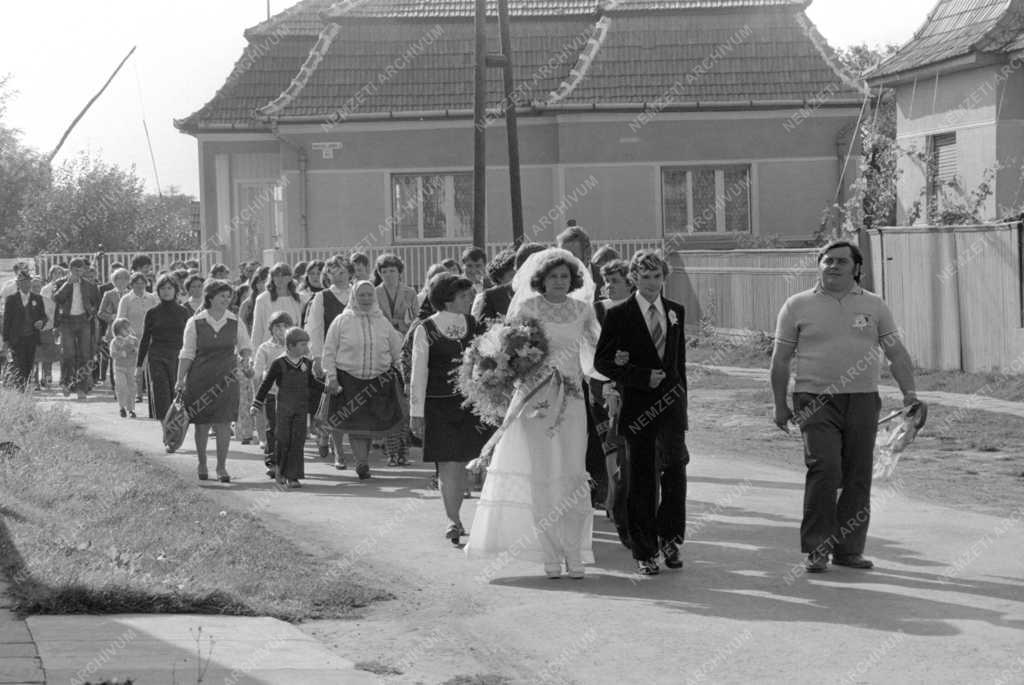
{"points": [[74, 316]]}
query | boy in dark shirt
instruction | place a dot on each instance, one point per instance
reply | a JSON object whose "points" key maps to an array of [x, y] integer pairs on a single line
{"points": [[293, 374]]}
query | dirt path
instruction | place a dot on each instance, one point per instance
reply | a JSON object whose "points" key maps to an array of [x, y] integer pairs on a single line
{"points": [[945, 603]]}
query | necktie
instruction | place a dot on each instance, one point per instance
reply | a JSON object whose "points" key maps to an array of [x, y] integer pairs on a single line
{"points": [[657, 332]]}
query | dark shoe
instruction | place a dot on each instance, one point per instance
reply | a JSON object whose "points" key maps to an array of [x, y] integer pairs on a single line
{"points": [[671, 554], [647, 567], [324, 451], [816, 562], [123, 413], [271, 473], [403, 461], [294, 484], [853, 561], [392, 461], [246, 441], [132, 415], [224, 479], [452, 533], [363, 471], [340, 465], [203, 475]]}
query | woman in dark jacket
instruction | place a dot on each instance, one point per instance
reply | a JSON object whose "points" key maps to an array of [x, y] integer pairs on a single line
{"points": [[160, 345]]}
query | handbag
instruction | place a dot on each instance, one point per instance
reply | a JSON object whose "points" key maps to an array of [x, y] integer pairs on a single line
{"points": [[322, 415], [175, 423]]}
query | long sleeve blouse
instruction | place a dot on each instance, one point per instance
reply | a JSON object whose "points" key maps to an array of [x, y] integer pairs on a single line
{"points": [[450, 325], [163, 330], [264, 310], [188, 346], [134, 307], [268, 351], [364, 346], [315, 318]]}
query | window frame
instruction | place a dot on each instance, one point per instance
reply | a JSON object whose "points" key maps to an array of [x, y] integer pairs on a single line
{"points": [[721, 222], [420, 239], [933, 184]]}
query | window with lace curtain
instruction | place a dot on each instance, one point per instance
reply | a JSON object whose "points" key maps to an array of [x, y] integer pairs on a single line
{"points": [[706, 199], [429, 207]]}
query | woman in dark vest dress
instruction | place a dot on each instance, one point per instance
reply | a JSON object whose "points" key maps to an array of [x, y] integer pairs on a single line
{"points": [[162, 334], [208, 371], [325, 306], [451, 434]]}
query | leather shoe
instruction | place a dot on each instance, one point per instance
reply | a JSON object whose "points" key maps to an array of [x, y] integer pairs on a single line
{"points": [[671, 553], [816, 563], [853, 561], [647, 567]]}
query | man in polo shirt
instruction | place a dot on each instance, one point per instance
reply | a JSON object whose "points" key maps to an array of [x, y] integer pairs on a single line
{"points": [[838, 332]]}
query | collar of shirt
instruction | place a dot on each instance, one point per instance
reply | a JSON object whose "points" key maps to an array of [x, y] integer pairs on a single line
{"points": [[855, 290], [645, 305], [25, 297]]}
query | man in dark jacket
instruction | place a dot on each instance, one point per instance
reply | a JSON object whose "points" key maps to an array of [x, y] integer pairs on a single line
{"points": [[24, 317], [77, 301]]}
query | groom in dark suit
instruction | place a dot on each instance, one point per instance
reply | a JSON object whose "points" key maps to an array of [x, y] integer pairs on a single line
{"points": [[649, 329], [24, 317]]}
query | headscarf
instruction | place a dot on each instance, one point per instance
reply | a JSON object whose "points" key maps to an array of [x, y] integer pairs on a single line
{"points": [[353, 308]]}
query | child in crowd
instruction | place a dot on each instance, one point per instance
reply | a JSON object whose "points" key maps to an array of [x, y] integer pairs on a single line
{"points": [[124, 352], [292, 373], [268, 351]]}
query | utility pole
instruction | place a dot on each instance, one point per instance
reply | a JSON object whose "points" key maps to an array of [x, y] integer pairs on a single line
{"points": [[483, 61]]}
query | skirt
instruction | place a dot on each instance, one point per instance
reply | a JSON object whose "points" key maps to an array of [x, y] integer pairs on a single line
{"points": [[367, 408], [451, 433]]}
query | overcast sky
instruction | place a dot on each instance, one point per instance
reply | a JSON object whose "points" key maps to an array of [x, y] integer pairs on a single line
{"points": [[60, 52]]}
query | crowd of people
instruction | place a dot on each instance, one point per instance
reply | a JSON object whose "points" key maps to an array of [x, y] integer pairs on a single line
{"points": [[347, 349]]}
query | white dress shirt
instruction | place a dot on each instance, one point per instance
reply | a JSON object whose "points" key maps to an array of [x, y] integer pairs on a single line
{"points": [[645, 307], [77, 308], [188, 347]]}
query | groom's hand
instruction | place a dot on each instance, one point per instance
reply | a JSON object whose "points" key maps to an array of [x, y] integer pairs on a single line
{"points": [[657, 376]]}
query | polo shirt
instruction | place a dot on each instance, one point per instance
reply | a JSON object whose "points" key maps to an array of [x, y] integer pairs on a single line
{"points": [[838, 340]]}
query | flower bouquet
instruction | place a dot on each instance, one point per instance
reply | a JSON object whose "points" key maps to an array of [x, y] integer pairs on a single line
{"points": [[496, 362]]}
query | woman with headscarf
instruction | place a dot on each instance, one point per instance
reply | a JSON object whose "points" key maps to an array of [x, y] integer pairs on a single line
{"points": [[361, 355], [161, 339]]}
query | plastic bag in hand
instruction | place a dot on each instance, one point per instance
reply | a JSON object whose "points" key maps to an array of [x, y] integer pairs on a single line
{"points": [[889, 445]]}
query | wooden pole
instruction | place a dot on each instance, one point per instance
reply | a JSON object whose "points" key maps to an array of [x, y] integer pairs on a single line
{"points": [[511, 127], [49, 158], [480, 129]]}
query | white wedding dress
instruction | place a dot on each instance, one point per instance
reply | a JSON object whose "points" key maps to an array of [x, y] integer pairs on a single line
{"points": [[535, 504]]}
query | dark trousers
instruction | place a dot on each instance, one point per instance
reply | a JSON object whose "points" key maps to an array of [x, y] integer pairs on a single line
{"points": [[290, 442], [76, 361], [657, 452], [162, 373], [595, 453], [839, 441], [270, 407], [24, 352]]}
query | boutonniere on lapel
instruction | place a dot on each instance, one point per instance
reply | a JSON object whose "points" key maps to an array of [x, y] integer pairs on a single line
{"points": [[672, 318]]}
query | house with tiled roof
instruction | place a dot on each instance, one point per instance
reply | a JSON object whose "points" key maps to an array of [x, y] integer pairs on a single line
{"points": [[707, 122], [959, 89]]}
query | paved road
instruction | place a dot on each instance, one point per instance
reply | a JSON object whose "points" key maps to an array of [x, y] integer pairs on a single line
{"points": [[944, 604]]}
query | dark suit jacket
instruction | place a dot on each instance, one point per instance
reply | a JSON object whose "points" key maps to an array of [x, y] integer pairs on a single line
{"points": [[15, 316], [625, 328], [494, 303], [64, 291]]}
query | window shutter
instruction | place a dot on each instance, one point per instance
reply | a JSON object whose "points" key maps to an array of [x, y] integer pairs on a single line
{"points": [[944, 164]]}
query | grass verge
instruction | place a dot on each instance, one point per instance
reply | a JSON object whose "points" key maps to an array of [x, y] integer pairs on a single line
{"points": [[971, 459], [88, 527], [755, 352]]}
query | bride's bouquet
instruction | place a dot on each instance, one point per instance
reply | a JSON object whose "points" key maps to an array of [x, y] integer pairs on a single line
{"points": [[499, 360]]}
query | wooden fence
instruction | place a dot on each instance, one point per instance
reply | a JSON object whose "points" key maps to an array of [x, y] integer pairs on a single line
{"points": [[956, 291], [739, 290], [161, 260]]}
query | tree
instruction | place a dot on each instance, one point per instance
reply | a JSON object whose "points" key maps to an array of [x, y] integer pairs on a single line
{"points": [[165, 223], [872, 201], [23, 174]]}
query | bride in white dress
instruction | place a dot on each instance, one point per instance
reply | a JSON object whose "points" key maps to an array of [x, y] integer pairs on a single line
{"points": [[535, 504]]}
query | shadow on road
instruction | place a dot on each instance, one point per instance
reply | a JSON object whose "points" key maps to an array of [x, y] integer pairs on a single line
{"points": [[748, 569]]}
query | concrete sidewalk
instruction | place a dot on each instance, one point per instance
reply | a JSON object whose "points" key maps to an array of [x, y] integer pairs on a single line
{"points": [[185, 648], [973, 401], [19, 660]]}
